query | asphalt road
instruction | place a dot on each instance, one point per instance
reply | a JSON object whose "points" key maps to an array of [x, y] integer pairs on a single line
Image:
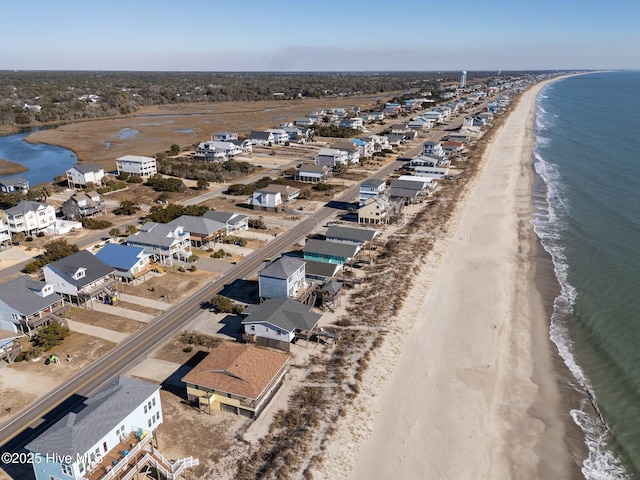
{"points": [[17, 431]]}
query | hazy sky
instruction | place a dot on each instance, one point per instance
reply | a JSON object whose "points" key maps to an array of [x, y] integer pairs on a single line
{"points": [[298, 35]]}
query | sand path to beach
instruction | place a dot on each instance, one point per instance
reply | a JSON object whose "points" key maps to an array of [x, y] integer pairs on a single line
{"points": [[473, 393]]}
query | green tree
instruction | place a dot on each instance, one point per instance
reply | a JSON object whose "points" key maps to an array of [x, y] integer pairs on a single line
{"points": [[127, 207], [114, 232], [51, 335], [131, 229], [222, 304], [175, 149], [202, 184]]}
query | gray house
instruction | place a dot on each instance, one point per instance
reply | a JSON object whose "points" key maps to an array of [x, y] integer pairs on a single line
{"points": [[29, 303], [282, 278], [353, 236]]}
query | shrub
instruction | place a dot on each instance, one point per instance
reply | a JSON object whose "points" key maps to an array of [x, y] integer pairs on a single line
{"points": [[222, 304], [93, 224], [322, 187], [51, 335], [257, 223], [219, 254], [235, 241], [193, 268], [28, 239], [40, 234]]}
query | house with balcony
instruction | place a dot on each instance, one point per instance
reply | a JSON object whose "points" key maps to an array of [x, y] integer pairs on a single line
{"points": [[311, 173], [431, 172], [203, 232], [376, 210], [349, 235], [349, 146], [427, 161], [10, 346], [432, 149], [224, 137], [332, 157], [82, 204], [329, 252], [144, 167], [30, 217], [163, 242], [263, 139], [371, 188], [273, 198], [81, 277], [5, 234], [130, 263], [109, 435], [214, 150], [355, 123], [236, 378], [15, 184], [280, 136], [79, 176], [277, 322], [234, 222], [29, 304], [282, 278]]}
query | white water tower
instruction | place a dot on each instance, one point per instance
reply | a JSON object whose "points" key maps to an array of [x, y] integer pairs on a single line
{"points": [[463, 79]]}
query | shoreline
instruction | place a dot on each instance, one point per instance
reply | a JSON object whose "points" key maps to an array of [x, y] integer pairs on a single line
{"points": [[476, 377]]}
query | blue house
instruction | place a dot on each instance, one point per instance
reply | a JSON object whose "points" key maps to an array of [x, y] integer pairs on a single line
{"points": [[131, 263], [329, 252]]}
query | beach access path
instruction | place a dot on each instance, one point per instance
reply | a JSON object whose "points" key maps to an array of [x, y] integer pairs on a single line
{"points": [[473, 393]]}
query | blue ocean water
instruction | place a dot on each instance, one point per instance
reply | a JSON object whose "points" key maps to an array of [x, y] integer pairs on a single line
{"points": [[45, 162], [588, 154]]}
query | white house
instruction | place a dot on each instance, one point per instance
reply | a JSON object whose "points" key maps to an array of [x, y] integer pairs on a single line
{"points": [[130, 263], [432, 149], [81, 175], [5, 234], [235, 222], [15, 184], [282, 278], [332, 157], [312, 173], [262, 138], [105, 435], [274, 197], [144, 167], [163, 242], [280, 136], [431, 172], [355, 123], [30, 217], [427, 161], [224, 136], [81, 277], [371, 188], [279, 319]]}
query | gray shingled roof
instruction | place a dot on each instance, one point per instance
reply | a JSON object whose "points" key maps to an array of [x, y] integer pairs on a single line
{"points": [[320, 269], [323, 247], [152, 233], [20, 294], [87, 167], [88, 422], [352, 234], [224, 217], [374, 182], [408, 184], [25, 206], [283, 313], [283, 267], [199, 225], [400, 192], [95, 268]]}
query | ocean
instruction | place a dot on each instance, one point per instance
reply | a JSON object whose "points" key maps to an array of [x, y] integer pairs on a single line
{"points": [[587, 153]]}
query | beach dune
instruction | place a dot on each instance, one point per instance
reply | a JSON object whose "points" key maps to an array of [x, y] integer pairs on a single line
{"points": [[473, 393]]}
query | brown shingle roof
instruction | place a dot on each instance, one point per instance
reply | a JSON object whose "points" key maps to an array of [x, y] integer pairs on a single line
{"points": [[238, 369]]}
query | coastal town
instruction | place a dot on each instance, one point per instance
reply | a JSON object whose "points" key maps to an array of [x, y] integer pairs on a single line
{"points": [[221, 329]]}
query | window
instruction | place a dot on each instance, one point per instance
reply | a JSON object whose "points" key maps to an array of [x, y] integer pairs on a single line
{"points": [[157, 415], [149, 423], [81, 467], [149, 404], [153, 401], [67, 470], [145, 409], [253, 328]]}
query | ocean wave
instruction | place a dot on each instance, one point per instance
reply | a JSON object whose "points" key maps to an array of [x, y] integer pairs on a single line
{"points": [[549, 220]]}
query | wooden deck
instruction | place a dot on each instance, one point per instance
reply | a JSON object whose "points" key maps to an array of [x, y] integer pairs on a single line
{"points": [[115, 462]]}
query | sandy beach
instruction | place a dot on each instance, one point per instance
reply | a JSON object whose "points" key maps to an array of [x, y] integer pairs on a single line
{"points": [[473, 392]]}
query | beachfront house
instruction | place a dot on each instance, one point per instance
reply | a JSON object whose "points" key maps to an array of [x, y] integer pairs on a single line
{"points": [[350, 235], [329, 252], [5, 234], [30, 217], [108, 435], [144, 167], [79, 176], [236, 378], [431, 172], [375, 210], [30, 304], [282, 278], [82, 277], [277, 322], [163, 242]]}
